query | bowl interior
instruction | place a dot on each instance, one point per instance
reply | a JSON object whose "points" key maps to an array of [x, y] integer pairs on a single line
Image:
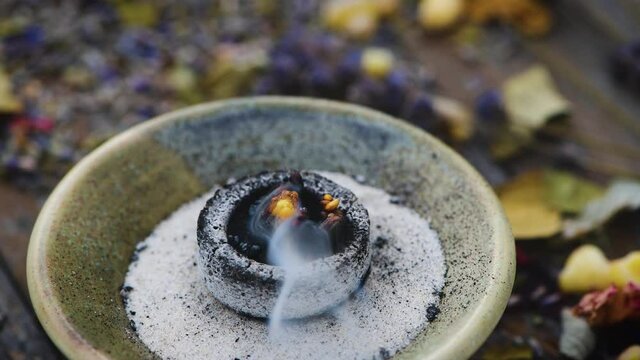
{"points": [[87, 231]]}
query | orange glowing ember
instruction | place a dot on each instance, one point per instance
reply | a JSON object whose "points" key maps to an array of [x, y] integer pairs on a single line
{"points": [[284, 205]]}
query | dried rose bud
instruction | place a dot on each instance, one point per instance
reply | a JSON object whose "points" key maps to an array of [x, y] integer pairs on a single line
{"points": [[610, 306]]}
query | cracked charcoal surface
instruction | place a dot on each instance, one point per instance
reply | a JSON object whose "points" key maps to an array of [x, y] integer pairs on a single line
{"points": [[177, 318]]}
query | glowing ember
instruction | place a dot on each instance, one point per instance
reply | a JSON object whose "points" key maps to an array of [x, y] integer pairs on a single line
{"points": [[284, 205]]}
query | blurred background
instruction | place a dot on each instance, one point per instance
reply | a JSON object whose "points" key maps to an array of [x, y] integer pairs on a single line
{"points": [[542, 97]]}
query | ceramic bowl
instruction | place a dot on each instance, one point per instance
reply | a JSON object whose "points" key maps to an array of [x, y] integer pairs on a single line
{"points": [[88, 229]]}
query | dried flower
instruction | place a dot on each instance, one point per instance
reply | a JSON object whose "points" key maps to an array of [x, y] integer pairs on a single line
{"points": [[528, 16], [610, 306], [586, 269], [626, 269], [355, 18], [377, 62], [631, 353], [439, 14]]}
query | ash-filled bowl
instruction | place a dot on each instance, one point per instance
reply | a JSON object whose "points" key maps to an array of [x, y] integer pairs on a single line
{"points": [[88, 229], [252, 287]]}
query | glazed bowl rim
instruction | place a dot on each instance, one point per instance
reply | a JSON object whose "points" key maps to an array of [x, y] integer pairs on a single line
{"points": [[469, 336]]}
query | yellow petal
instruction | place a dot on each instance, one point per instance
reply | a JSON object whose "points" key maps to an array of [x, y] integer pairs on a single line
{"points": [[377, 62], [631, 353], [586, 269], [626, 269], [356, 18], [439, 14]]}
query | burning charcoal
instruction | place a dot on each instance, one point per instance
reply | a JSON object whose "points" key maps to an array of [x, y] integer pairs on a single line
{"points": [[257, 235]]}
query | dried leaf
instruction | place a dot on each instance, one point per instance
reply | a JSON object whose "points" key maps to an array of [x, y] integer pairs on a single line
{"points": [[459, 119], [529, 16], [512, 352], [622, 194], [530, 99], [586, 269], [610, 306], [577, 340], [631, 353], [8, 101], [568, 193], [508, 143], [523, 200]]}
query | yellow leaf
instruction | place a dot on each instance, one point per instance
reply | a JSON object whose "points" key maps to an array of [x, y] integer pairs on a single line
{"points": [[524, 203], [530, 99]]}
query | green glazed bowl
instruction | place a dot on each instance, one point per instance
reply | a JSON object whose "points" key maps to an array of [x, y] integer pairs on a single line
{"points": [[87, 231]]}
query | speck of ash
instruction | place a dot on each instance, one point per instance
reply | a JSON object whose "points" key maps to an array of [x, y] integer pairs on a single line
{"points": [[177, 318]]}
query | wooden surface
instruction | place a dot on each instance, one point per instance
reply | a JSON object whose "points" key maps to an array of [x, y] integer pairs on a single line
{"points": [[605, 124], [20, 334]]}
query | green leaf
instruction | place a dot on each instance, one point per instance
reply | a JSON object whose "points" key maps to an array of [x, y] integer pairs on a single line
{"points": [[568, 193]]}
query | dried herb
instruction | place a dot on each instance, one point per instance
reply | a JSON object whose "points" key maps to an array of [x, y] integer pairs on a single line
{"points": [[577, 340]]}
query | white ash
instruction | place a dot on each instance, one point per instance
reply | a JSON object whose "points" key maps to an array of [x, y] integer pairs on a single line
{"points": [[177, 318]]}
